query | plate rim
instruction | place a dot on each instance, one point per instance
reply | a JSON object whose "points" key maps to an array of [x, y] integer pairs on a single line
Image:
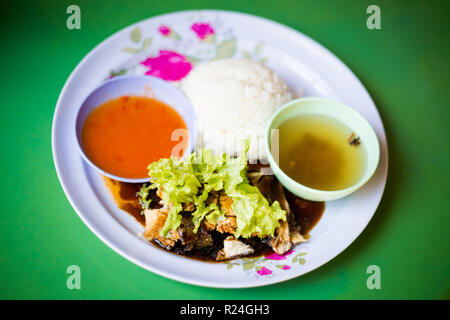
{"points": [[317, 46]]}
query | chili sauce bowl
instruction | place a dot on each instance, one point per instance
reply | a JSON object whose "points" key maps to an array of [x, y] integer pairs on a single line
{"points": [[141, 86]]}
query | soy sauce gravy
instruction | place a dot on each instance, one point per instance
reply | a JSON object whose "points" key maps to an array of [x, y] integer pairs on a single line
{"points": [[124, 195], [307, 214]]}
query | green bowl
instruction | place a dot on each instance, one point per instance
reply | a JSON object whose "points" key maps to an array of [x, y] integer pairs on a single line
{"points": [[339, 111]]}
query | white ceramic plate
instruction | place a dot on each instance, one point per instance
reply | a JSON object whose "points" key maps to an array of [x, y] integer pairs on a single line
{"points": [[174, 43]]}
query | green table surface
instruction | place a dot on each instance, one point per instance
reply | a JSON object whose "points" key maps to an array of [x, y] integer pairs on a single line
{"points": [[404, 66]]}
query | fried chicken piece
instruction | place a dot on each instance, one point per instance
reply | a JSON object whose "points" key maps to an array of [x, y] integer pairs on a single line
{"points": [[190, 240], [208, 226], [296, 237], [154, 222], [213, 198], [188, 206], [281, 243], [159, 193], [225, 204], [228, 225], [233, 248], [272, 190]]}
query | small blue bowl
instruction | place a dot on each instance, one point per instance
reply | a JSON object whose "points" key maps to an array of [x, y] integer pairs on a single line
{"points": [[145, 86]]}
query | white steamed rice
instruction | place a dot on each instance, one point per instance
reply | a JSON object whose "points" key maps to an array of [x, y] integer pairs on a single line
{"points": [[233, 100]]}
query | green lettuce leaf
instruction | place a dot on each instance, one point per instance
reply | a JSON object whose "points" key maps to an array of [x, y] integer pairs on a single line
{"points": [[192, 179]]}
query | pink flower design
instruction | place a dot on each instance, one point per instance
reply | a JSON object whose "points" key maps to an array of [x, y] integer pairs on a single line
{"points": [[276, 256], [168, 65], [202, 30], [264, 271], [164, 30], [286, 267]]}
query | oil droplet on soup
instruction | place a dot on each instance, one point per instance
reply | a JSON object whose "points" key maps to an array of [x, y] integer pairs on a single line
{"points": [[124, 135], [314, 150]]}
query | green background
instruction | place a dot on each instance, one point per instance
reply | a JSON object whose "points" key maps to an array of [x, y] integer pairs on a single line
{"points": [[404, 66]]}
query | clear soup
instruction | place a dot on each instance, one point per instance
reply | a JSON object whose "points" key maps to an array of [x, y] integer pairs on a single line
{"points": [[321, 152]]}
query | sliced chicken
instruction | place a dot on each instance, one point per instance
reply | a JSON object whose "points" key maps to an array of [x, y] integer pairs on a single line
{"points": [[154, 222], [190, 240], [228, 225], [213, 198], [281, 243], [208, 226], [296, 237], [183, 239], [233, 248], [225, 204], [272, 190], [188, 206], [159, 193]]}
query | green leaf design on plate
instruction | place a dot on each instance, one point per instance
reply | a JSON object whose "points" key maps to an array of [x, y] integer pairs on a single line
{"points": [[246, 54], [298, 258], [210, 39], [135, 35], [229, 266], [249, 259], [263, 60], [192, 59], [131, 50], [279, 266], [121, 72], [248, 266], [174, 35], [226, 49], [146, 43], [259, 48]]}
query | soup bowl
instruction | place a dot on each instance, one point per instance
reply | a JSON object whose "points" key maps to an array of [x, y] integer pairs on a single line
{"points": [[142, 86], [330, 108]]}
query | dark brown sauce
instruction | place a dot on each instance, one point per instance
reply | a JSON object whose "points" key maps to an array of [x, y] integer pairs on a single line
{"points": [[124, 195], [307, 214]]}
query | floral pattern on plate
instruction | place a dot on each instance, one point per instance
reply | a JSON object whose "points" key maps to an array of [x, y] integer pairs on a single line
{"points": [[270, 265], [168, 53]]}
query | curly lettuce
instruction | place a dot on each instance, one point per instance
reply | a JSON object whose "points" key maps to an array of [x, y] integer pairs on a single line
{"points": [[192, 179]]}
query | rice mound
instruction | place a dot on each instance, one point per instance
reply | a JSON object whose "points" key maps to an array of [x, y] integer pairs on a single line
{"points": [[233, 100]]}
